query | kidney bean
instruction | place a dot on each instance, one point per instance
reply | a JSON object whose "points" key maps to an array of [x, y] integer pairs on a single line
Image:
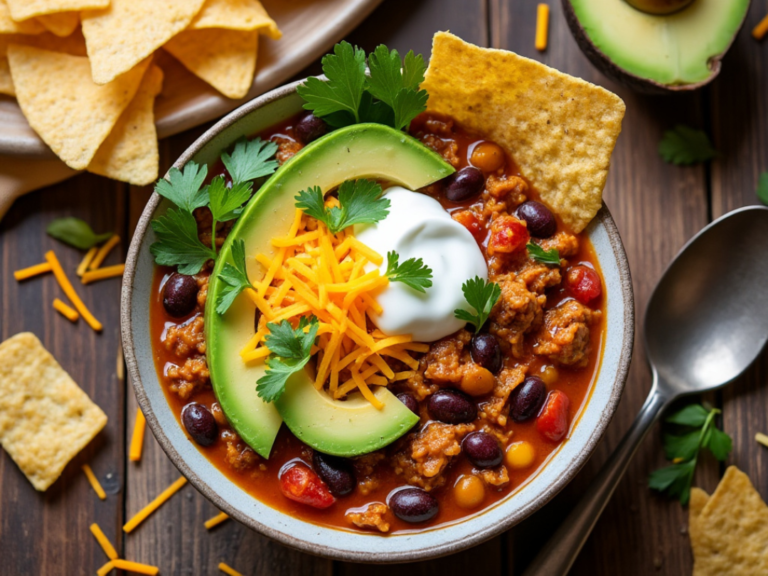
{"points": [[482, 449], [409, 401], [464, 184], [336, 472], [180, 295], [486, 352], [540, 220], [200, 424], [452, 407], [552, 422], [526, 399], [300, 484], [413, 505], [310, 128]]}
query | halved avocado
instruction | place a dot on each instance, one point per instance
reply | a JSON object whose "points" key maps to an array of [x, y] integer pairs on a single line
{"points": [[335, 427], [656, 53]]}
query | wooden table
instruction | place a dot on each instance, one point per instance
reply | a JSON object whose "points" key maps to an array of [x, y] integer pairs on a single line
{"points": [[657, 208]]}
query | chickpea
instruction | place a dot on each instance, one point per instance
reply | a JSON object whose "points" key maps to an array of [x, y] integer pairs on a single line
{"points": [[487, 156], [549, 374], [469, 491], [477, 380], [520, 455]]}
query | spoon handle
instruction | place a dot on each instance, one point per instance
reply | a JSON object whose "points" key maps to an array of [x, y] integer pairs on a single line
{"points": [[557, 557]]}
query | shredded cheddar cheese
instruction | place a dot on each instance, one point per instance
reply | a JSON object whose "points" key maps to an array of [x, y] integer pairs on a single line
{"points": [[135, 567], [314, 272], [94, 482], [227, 570], [762, 439], [137, 439], [68, 312], [106, 569], [32, 271], [66, 286], [103, 273], [542, 27], [759, 31], [216, 520], [142, 514], [104, 542], [86, 261], [103, 252]]}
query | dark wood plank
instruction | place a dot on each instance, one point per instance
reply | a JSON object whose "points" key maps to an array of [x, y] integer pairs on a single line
{"points": [[48, 533], [657, 207]]}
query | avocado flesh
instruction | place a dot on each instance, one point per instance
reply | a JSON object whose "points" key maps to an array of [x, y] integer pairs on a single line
{"points": [[362, 150], [671, 49]]}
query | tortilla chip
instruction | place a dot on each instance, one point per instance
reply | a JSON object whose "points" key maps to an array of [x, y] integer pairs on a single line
{"points": [[9, 26], [731, 533], [72, 44], [559, 129], [62, 24], [23, 9], [236, 15], [129, 153], [226, 59], [45, 418], [63, 105], [129, 31], [696, 504]]}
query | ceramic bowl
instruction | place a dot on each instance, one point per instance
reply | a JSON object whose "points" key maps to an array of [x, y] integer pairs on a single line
{"points": [[561, 467]]}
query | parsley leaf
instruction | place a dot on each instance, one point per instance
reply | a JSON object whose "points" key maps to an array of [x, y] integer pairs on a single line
{"points": [[76, 232], [397, 85], [178, 244], [694, 415], [684, 145], [413, 272], [234, 276], [185, 188], [250, 159], [226, 203], [480, 295], [548, 257], [762, 188], [675, 480], [291, 352], [360, 201]]}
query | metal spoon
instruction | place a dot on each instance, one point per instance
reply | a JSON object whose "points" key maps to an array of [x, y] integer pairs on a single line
{"points": [[706, 321]]}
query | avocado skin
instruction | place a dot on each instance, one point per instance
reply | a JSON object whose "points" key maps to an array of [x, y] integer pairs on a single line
{"points": [[635, 83]]}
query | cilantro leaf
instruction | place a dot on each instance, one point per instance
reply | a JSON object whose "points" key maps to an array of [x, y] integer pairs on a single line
{"points": [[234, 276], [291, 351], [480, 295], [396, 87], [407, 105], [675, 480], [272, 385], [76, 232], [360, 204], [178, 244], [681, 446], [312, 202], [548, 257], [226, 203], [719, 443], [685, 145], [414, 68], [386, 75], [413, 272], [762, 188], [694, 415], [250, 159], [345, 70], [184, 188]]}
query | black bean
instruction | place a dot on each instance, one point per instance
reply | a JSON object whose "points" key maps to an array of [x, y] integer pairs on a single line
{"points": [[452, 407], [200, 424], [309, 128], [413, 505], [337, 473], [180, 295], [486, 352], [409, 401], [540, 220], [464, 184], [526, 400], [482, 449]]}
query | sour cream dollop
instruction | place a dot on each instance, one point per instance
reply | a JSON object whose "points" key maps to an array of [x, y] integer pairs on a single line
{"points": [[418, 227]]}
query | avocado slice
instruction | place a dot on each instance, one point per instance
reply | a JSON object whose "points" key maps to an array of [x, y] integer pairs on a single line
{"points": [[656, 52], [348, 427]]}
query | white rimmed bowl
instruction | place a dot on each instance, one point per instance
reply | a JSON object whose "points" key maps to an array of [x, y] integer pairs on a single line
{"points": [[561, 467]]}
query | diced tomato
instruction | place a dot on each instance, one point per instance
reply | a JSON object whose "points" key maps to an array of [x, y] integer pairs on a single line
{"points": [[471, 222], [508, 235], [301, 484], [584, 284], [552, 422]]}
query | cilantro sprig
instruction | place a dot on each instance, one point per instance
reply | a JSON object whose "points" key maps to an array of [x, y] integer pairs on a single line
{"points": [[684, 145], [480, 295], [548, 257], [696, 430], [76, 232], [762, 188], [390, 95], [290, 353], [413, 272], [360, 203], [234, 276]]}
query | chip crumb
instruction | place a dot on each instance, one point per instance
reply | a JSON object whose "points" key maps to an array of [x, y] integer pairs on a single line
{"points": [[762, 439]]}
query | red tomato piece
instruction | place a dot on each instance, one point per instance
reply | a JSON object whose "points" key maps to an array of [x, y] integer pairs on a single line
{"points": [[552, 422], [301, 484], [508, 235], [471, 222], [584, 283]]}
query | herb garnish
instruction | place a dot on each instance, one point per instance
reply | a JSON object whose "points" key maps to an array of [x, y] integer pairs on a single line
{"points": [[697, 431], [413, 272], [360, 202], [76, 232], [389, 96], [548, 257], [178, 244], [482, 296], [762, 188], [290, 353], [685, 145], [234, 277]]}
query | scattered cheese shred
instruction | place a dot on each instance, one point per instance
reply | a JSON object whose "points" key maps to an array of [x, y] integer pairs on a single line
{"points": [[103, 273], [106, 569], [759, 31], [104, 542], [32, 271], [94, 482], [137, 439], [227, 570], [542, 27], [103, 252], [762, 439], [66, 286], [86, 261], [142, 514], [216, 520], [136, 567], [68, 312]]}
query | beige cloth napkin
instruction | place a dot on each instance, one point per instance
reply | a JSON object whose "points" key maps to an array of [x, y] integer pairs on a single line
{"points": [[19, 175]]}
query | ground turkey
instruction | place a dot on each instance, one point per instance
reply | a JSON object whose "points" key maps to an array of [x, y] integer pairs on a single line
{"points": [[564, 338], [517, 312], [365, 472], [495, 408], [446, 358], [376, 515], [566, 244]]}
